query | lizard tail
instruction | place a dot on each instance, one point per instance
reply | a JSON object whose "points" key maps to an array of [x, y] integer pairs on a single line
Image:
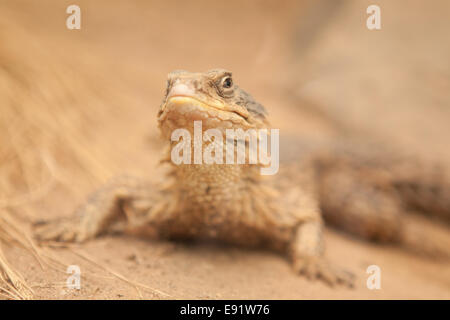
{"points": [[369, 202], [424, 187], [417, 184], [424, 237]]}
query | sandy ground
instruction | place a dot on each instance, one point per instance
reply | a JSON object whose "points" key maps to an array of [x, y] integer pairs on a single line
{"points": [[316, 68]]}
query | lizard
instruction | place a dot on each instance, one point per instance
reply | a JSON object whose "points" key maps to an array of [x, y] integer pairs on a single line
{"points": [[235, 204]]}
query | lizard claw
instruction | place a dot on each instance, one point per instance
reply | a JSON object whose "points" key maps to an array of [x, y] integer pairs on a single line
{"points": [[317, 268], [67, 230]]}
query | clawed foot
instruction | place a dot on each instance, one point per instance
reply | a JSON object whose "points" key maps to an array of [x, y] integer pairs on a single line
{"points": [[64, 230], [317, 268]]}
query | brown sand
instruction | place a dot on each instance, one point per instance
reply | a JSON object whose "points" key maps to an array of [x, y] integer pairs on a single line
{"points": [[79, 107]]}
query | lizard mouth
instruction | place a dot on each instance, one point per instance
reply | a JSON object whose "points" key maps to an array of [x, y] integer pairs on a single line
{"points": [[191, 108]]}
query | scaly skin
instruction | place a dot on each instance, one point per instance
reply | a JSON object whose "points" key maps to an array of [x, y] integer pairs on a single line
{"points": [[235, 204]]}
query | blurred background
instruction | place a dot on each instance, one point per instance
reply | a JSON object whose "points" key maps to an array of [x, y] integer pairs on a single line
{"points": [[78, 107]]}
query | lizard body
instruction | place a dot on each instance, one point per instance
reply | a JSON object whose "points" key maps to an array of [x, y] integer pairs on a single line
{"points": [[234, 203]]}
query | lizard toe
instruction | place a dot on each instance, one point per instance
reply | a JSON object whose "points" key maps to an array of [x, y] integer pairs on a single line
{"points": [[57, 230], [316, 268]]}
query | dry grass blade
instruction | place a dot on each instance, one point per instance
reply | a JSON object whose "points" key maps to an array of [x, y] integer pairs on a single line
{"points": [[136, 285], [13, 232], [16, 287], [32, 123]]}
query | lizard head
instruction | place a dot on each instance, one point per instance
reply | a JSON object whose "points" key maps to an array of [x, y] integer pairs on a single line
{"points": [[211, 97]]}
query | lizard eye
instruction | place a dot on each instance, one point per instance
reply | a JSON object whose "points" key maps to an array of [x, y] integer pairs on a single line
{"points": [[227, 82]]}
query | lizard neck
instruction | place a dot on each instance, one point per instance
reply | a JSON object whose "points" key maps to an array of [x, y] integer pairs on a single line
{"points": [[212, 187]]}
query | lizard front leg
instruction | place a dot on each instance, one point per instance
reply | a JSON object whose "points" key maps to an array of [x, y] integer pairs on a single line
{"points": [[307, 249], [305, 245], [103, 212]]}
